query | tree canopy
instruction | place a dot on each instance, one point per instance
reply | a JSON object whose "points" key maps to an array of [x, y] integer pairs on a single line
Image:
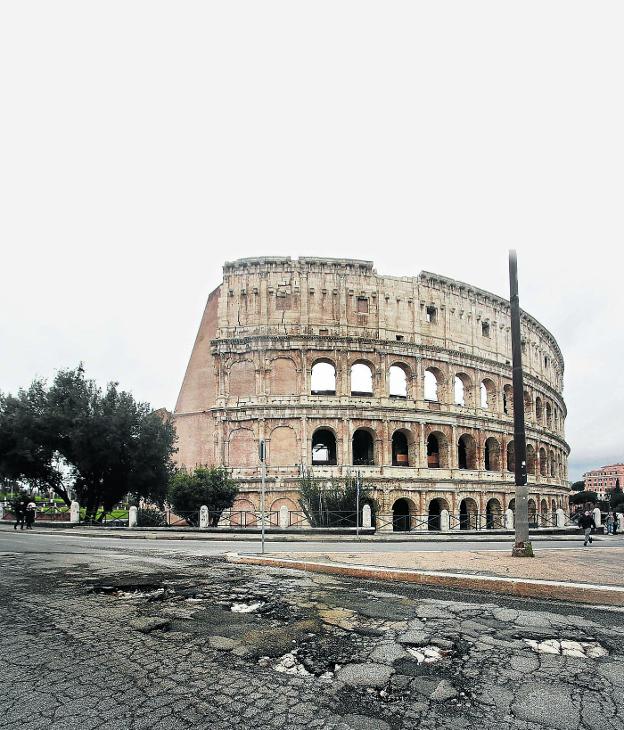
{"points": [[578, 486], [209, 486], [582, 497], [112, 444]]}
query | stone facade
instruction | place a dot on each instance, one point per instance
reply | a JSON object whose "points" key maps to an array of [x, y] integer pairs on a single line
{"points": [[406, 379]]}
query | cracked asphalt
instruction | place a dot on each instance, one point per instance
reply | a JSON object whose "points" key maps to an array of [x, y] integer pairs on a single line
{"points": [[96, 635]]}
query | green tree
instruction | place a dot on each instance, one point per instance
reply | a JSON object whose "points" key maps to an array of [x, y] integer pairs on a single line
{"points": [[333, 504], [617, 496], [111, 444], [578, 486], [582, 497], [211, 486]]}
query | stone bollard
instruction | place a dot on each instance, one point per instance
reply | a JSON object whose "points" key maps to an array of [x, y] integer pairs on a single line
{"points": [[509, 519], [366, 516], [620, 521], [1, 511], [597, 518], [444, 520], [204, 517], [283, 517], [133, 516], [561, 518], [74, 513]]}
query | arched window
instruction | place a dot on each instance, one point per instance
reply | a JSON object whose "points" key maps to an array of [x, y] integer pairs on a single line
{"points": [[543, 462], [538, 409], [323, 447], [528, 404], [361, 379], [552, 462], [400, 451], [466, 452], [492, 454], [508, 400], [530, 459], [493, 515], [548, 415], [433, 451], [323, 381], [511, 457], [459, 391], [431, 385], [398, 382], [487, 394], [363, 449]]}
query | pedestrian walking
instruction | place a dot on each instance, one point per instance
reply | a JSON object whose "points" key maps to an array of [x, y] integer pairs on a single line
{"points": [[586, 523], [609, 522], [615, 523], [20, 514], [31, 508]]}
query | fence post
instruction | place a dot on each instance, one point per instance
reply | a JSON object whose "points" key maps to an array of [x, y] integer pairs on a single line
{"points": [[204, 517], [444, 520], [366, 516], [560, 517], [133, 516], [74, 513], [597, 518]]}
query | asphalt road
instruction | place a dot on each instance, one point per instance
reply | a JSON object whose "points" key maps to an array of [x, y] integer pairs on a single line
{"points": [[65, 542]]}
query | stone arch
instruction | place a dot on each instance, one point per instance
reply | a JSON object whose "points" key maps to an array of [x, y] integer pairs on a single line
{"points": [[548, 415], [511, 456], [401, 447], [553, 505], [242, 451], [242, 379], [468, 514], [508, 405], [528, 404], [544, 512], [274, 511], [552, 464], [324, 447], [437, 450], [403, 511], [466, 452], [434, 384], [493, 514], [487, 394], [434, 510], [361, 378], [323, 377], [462, 390], [512, 505], [283, 447], [243, 513], [532, 511], [491, 454], [543, 462], [363, 447], [399, 379], [538, 409], [283, 377], [530, 459]]}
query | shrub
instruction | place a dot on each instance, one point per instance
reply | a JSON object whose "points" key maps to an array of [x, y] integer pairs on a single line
{"points": [[210, 486], [333, 505]]}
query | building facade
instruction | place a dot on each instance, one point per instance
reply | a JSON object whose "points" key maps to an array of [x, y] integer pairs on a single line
{"points": [[407, 380], [603, 480]]}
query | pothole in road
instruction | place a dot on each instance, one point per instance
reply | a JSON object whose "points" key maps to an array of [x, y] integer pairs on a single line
{"points": [[293, 663], [247, 607], [568, 647], [428, 654]]}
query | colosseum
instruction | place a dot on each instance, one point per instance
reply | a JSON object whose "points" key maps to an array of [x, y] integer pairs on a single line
{"points": [[406, 380]]}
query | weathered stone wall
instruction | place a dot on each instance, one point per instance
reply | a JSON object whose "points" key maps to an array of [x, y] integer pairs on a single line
{"points": [[273, 319]]}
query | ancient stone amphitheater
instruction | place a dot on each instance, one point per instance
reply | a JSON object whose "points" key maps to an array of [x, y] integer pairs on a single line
{"points": [[404, 379]]}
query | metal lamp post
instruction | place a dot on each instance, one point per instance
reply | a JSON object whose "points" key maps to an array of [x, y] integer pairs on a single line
{"points": [[522, 545]]}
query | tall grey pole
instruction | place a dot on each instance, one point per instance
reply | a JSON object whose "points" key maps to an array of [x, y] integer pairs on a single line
{"points": [[262, 493], [357, 505], [522, 546]]}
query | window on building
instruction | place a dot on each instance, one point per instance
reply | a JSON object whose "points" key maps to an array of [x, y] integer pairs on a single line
{"points": [[485, 329], [431, 314], [362, 305]]}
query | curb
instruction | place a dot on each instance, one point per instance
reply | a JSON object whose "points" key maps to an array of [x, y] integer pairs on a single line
{"points": [[522, 587]]}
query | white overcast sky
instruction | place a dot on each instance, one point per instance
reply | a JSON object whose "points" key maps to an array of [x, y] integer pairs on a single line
{"points": [[144, 143]]}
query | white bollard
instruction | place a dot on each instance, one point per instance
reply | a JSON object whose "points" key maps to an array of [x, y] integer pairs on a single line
{"points": [[204, 517], [620, 521], [444, 520], [283, 517], [1, 511], [133, 516], [74, 513], [561, 518], [509, 519], [597, 518], [366, 516]]}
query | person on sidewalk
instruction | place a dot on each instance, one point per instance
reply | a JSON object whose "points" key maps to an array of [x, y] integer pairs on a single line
{"points": [[586, 523], [30, 515], [610, 521], [20, 514]]}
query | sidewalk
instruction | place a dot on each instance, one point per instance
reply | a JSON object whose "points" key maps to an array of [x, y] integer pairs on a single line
{"points": [[585, 575]]}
